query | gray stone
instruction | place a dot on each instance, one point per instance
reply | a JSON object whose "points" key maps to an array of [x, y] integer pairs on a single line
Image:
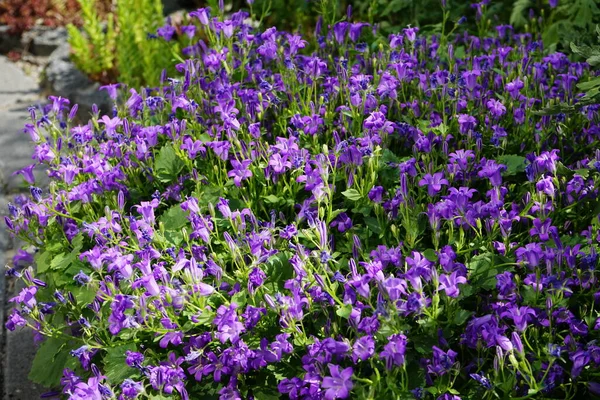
{"points": [[64, 79], [42, 40], [15, 86], [20, 351], [5, 239], [89, 96], [17, 91], [16, 147], [8, 40], [170, 6]]}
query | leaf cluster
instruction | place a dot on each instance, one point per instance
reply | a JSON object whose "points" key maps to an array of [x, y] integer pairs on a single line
{"points": [[133, 59]]}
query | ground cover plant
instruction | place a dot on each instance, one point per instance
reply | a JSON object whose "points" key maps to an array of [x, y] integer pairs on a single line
{"points": [[21, 16], [348, 218]]}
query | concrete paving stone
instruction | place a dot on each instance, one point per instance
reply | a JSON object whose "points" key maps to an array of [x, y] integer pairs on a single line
{"points": [[17, 92], [16, 148], [19, 354], [15, 86], [19, 349]]}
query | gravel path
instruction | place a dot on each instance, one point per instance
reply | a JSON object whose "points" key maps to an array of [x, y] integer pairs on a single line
{"points": [[17, 92]]}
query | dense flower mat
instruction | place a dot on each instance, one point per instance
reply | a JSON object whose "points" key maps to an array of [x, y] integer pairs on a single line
{"points": [[359, 219]]}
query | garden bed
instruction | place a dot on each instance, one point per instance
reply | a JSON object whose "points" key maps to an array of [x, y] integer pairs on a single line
{"points": [[348, 217]]}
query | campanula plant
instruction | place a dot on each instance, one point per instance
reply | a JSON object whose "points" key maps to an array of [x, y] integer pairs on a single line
{"points": [[337, 219]]}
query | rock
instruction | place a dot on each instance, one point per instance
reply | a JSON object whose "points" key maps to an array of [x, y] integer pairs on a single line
{"points": [[62, 52], [42, 41], [89, 96], [170, 6], [64, 79], [8, 40], [5, 239]]}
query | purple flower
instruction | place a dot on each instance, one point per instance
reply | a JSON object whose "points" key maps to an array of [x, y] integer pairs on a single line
{"points": [[27, 173], [543, 229], [466, 123], [111, 124], [188, 30], [339, 384], [482, 380], [410, 33], [134, 359], [531, 253], [433, 182], [520, 315], [111, 89], [291, 387], [15, 320], [497, 109], [491, 170], [545, 185], [131, 389], [449, 283], [240, 171], [442, 361], [376, 194], [394, 351], [363, 348], [202, 14], [514, 88], [342, 222]]}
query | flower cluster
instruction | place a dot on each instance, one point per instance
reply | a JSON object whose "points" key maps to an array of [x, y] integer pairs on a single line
{"points": [[338, 219]]}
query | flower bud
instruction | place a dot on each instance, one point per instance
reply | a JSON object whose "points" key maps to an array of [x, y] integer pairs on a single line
{"points": [[516, 341]]}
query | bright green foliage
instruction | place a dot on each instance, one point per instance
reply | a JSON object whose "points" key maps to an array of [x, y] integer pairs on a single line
{"points": [[133, 59], [140, 60]]}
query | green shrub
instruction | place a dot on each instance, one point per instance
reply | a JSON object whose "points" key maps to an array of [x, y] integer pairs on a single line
{"points": [[137, 58]]}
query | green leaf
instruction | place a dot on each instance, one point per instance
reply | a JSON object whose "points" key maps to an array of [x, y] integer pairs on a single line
{"points": [[240, 298], [263, 394], [167, 165], [272, 199], [206, 317], [517, 17], [344, 311], [42, 261], [482, 271], [62, 261], [584, 173], [84, 294], [278, 270], [373, 225], [77, 243], [431, 255], [514, 164], [174, 219], [115, 368], [49, 362], [352, 194], [461, 317], [585, 86]]}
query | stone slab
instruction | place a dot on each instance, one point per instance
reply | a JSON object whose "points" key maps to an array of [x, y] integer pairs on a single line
{"points": [[18, 357], [17, 92], [16, 148], [15, 87], [19, 349]]}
